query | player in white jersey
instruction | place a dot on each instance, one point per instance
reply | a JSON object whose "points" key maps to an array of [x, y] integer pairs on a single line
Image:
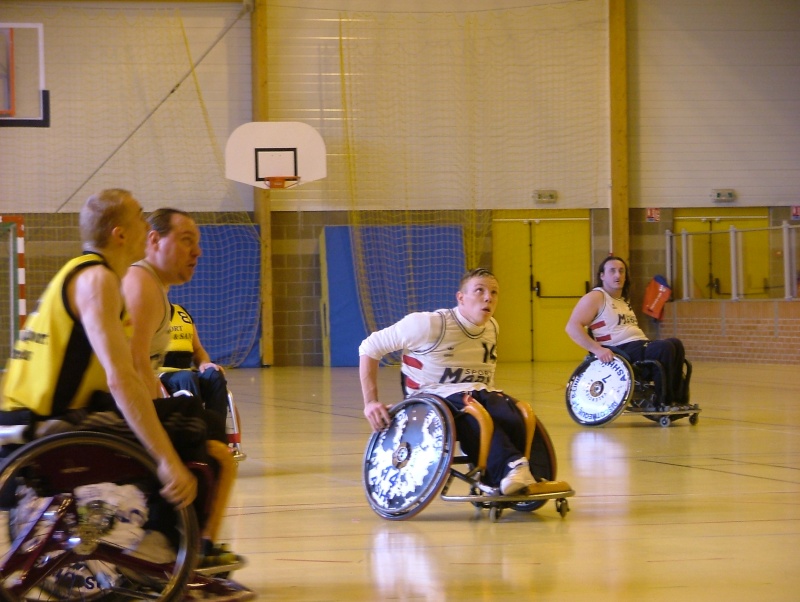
{"points": [[606, 313], [452, 353]]}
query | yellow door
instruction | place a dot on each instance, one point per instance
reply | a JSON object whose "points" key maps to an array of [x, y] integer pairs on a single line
{"points": [[542, 262], [709, 249], [511, 253]]}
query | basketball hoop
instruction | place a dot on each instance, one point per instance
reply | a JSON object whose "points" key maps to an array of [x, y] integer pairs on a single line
{"points": [[281, 181]]}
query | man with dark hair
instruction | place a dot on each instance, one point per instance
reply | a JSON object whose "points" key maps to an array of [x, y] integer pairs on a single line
{"points": [[171, 254], [603, 318], [452, 353], [172, 250]]}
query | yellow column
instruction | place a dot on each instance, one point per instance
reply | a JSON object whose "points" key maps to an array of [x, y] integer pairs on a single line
{"points": [[261, 199], [618, 84]]}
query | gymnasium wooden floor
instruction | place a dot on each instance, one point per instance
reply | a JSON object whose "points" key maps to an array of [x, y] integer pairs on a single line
{"points": [[704, 512]]}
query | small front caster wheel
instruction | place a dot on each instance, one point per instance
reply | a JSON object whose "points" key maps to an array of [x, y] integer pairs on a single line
{"points": [[494, 514], [664, 421], [562, 506], [694, 418]]}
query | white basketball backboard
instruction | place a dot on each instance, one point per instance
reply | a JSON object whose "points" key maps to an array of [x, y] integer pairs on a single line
{"points": [[260, 150]]}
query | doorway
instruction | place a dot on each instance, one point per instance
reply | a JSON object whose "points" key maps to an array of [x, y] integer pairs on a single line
{"points": [[543, 264]]}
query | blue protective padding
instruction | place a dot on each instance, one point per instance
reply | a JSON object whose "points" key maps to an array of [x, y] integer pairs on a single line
{"points": [[412, 268], [346, 324], [409, 268], [224, 294]]}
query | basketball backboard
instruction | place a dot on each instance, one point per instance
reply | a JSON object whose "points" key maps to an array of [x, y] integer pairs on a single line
{"points": [[24, 101], [261, 152]]}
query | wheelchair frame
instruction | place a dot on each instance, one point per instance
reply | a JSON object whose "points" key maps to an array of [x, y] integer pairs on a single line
{"points": [[234, 431], [413, 459], [598, 393], [232, 425], [65, 550]]}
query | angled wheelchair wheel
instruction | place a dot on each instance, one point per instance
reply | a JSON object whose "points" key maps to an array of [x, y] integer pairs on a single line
{"points": [[81, 518], [406, 464], [543, 464], [597, 393]]}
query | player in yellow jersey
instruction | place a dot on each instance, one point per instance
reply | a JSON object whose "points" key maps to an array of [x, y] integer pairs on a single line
{"points": [[187, 365], [73, 354]]}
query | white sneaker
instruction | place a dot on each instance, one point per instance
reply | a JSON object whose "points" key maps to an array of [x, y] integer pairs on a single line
{"points": [[518, 478]]}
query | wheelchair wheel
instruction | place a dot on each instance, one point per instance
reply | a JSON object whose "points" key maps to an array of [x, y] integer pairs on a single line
{"points": [[597, 393], [542, 463], [81, 519], [406, 464]]}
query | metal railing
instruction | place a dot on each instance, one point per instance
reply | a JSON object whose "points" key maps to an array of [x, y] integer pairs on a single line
{"points": [[784, 247]]}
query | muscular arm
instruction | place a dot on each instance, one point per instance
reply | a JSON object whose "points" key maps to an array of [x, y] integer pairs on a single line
{"points": [[374, 410], [95, 300], [582, 315], [411, 331], [144, 301]]}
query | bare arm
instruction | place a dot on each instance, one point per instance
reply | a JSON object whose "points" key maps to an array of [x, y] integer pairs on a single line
{"points": [[582, 315], [377, 414], [143, 299], [96, 301], [200, 356]]}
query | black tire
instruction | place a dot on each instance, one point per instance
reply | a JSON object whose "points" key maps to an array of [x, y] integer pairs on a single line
{"points": [[71, 543]]}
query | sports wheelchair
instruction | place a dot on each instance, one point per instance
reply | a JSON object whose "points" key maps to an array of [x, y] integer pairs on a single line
{"points": [[232, 421], [598, 393], [410, 461], [81, 518]]}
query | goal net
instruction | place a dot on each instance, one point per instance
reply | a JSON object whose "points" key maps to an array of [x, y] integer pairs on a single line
{"points": [[450, 118]]}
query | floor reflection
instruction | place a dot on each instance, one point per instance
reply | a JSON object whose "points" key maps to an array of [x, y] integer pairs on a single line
{"points": [[402, 566]]}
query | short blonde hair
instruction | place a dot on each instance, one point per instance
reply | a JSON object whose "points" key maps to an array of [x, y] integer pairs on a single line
{"points": [[475, 273], [100, 214]]}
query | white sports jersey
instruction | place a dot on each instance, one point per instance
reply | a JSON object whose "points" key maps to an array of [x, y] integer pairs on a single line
{"points": [[615, 323], [161, 337], [443, 352]]}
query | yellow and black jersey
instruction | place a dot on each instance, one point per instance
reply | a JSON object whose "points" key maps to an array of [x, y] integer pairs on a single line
{"points": [[53, 368], [180, 351]]}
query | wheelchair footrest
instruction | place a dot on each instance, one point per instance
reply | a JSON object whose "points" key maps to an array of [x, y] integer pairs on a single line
{"points": [[216, 590], [227, 567], [544, 490], [664, 410]]}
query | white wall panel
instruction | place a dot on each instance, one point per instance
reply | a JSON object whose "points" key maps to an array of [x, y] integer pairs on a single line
{"points": [[715, 99], [120, 115]]}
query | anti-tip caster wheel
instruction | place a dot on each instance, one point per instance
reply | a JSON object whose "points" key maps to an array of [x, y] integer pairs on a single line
{"points": [[562, 506], [694, 418], [494, 513], [664, 421]]}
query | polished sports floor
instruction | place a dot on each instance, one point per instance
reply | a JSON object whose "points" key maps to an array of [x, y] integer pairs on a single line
{"points": [[703, 512]]}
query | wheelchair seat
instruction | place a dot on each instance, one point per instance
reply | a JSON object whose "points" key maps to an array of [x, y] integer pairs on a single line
{"points": [[598, 393], [81, 517], [407, 464]]}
